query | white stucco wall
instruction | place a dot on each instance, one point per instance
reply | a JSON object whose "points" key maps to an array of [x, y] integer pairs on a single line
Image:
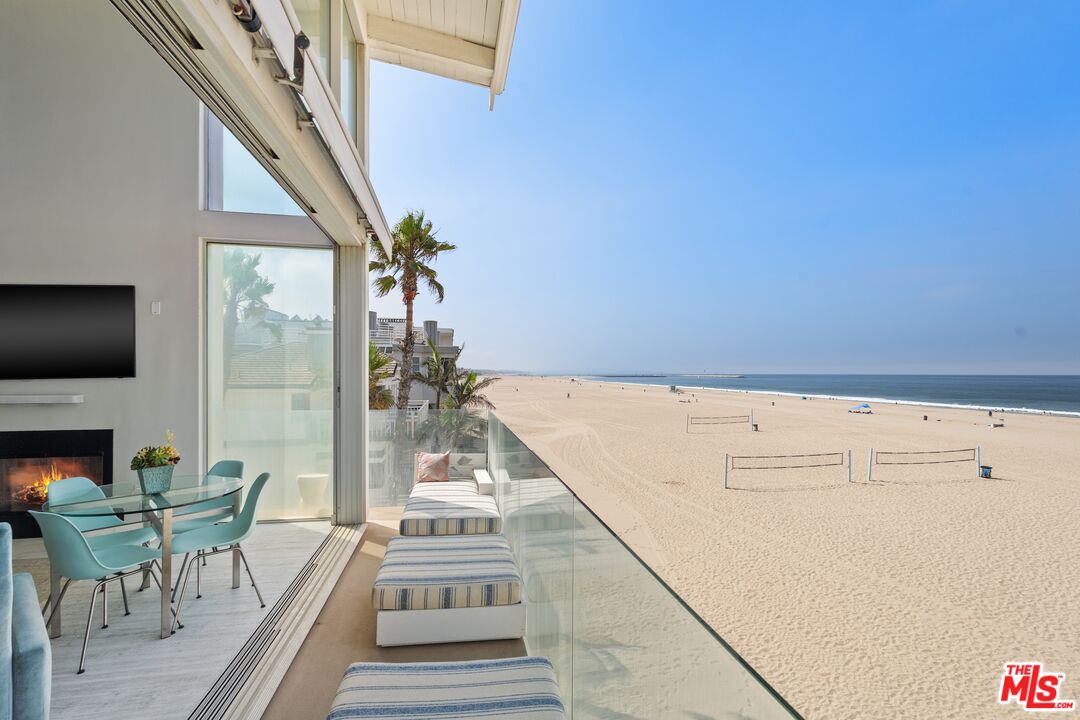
{"points": [[100, 184]]}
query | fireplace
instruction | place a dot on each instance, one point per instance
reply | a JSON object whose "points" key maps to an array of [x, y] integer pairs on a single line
{"points": [[30, 460]]}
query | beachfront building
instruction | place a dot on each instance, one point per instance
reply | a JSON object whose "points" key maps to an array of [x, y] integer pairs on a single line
{"points": [[187, 212], [387, 333]]}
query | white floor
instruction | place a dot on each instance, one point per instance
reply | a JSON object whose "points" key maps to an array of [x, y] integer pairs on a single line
{"points": [[130, 671]]}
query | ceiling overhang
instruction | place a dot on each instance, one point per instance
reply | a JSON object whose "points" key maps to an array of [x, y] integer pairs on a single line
{"points": [[473, 47]]}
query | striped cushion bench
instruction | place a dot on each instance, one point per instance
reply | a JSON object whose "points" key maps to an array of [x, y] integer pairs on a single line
{"points": [[432, 573], [449, 508], [517, 688]]}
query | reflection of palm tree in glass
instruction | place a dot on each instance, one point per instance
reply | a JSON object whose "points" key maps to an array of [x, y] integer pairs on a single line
{"points": [[454, 431], [245, 298]]}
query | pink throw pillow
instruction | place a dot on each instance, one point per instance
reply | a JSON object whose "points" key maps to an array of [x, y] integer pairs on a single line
{"points": [[432, 467]]}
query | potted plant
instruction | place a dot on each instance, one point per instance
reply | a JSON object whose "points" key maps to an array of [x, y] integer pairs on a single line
{"points": [[154, 465]]}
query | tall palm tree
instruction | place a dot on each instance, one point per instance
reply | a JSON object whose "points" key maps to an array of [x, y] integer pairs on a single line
{"points": [[379, 397], [245, 298], [467, 391], [415, 250], [439, 373]]}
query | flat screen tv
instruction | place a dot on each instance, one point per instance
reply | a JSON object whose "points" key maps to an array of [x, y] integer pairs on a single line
{"points": [[67, 331]]}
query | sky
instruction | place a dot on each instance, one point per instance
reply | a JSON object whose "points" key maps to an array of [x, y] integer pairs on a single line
{"points": [[753, 187]]}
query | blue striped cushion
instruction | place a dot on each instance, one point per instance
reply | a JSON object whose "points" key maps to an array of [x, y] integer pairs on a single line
{"points": [[449, 508], [428, 573], [518, 688]]}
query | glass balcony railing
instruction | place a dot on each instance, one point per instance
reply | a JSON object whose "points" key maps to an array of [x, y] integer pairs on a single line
{"points": [[395, 437], [624, 645]]}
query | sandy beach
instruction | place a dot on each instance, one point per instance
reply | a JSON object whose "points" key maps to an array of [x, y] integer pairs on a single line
{"points": [[900, 598]]}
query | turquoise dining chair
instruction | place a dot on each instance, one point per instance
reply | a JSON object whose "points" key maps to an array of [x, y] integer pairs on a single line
{"points": [[74, 559], [223, 537], [81, 489], [222, 507], [216, 510]]}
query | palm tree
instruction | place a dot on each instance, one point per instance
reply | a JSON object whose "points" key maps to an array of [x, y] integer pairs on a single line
{"points": [[467, 391], [415, 250], [379, 397], [439, 373], [245, 298]]}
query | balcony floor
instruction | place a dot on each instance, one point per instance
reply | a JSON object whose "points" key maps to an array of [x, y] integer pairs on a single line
{"points": [[130, 671], [345, 633]]}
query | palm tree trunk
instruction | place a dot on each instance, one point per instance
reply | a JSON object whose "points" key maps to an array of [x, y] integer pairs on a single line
{"points": [[406, 354]]}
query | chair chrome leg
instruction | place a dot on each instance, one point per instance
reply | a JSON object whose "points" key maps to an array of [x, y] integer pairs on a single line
{"points": [[59, 600], [89, 622], [183, 589], [179, 575], [105, 604], [123, 594], [252, 577], [198, 575]]}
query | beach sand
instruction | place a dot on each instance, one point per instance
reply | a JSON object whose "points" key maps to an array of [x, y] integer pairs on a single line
{"points": [[900, 598]]}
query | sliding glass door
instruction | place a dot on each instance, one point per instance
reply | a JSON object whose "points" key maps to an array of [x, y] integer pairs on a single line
{"points": [[270, 371]]}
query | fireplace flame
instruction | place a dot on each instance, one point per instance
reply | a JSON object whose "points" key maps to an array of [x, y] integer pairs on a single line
{"points": [[37, 492]]}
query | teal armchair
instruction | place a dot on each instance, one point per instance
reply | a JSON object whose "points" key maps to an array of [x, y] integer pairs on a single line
{"points": [[25, 653]]}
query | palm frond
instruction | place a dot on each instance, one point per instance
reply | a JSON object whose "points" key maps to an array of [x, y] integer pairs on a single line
{"points": [[383, 285]]}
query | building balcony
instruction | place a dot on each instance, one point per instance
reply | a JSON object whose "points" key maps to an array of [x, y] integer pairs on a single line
{"points": [[622, 643]]}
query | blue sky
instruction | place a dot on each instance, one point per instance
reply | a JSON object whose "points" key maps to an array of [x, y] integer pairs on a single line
{"points": [[750, 187]]}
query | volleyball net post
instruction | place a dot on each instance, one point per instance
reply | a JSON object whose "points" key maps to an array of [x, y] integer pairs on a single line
{"points": [[870, 466], [849, 465], [978, 461], [725, 470]]}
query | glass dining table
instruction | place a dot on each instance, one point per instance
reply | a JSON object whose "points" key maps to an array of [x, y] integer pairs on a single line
{"points": [[126, 500]]}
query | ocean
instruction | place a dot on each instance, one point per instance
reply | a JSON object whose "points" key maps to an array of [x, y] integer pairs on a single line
{"points": [[1058, 394]]}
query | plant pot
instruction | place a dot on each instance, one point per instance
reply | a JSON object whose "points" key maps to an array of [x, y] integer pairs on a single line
{"points": [[156, 479]]}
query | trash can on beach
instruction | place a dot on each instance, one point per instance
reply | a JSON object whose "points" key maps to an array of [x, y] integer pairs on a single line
{"points": [[984, 471]]}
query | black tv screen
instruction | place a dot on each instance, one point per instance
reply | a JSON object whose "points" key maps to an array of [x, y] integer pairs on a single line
{"points": [[67, 331]]}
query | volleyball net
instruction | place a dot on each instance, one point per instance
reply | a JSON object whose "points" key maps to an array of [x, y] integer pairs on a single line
{"points": [[922, 457], [802, 461], [706, 421]]}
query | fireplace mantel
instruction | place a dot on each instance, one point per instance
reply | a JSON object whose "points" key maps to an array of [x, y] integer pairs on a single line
{"points": [[42, 399]]}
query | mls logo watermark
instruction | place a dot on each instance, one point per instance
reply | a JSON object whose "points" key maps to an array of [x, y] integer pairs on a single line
{"points": [[1032, 688]]}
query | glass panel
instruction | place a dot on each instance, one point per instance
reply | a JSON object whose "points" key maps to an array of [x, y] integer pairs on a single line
{"points": [[623, 644], [348, 75], [314, 16], [269, 368], [236, 182], [395, 437], [539, 522]]}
